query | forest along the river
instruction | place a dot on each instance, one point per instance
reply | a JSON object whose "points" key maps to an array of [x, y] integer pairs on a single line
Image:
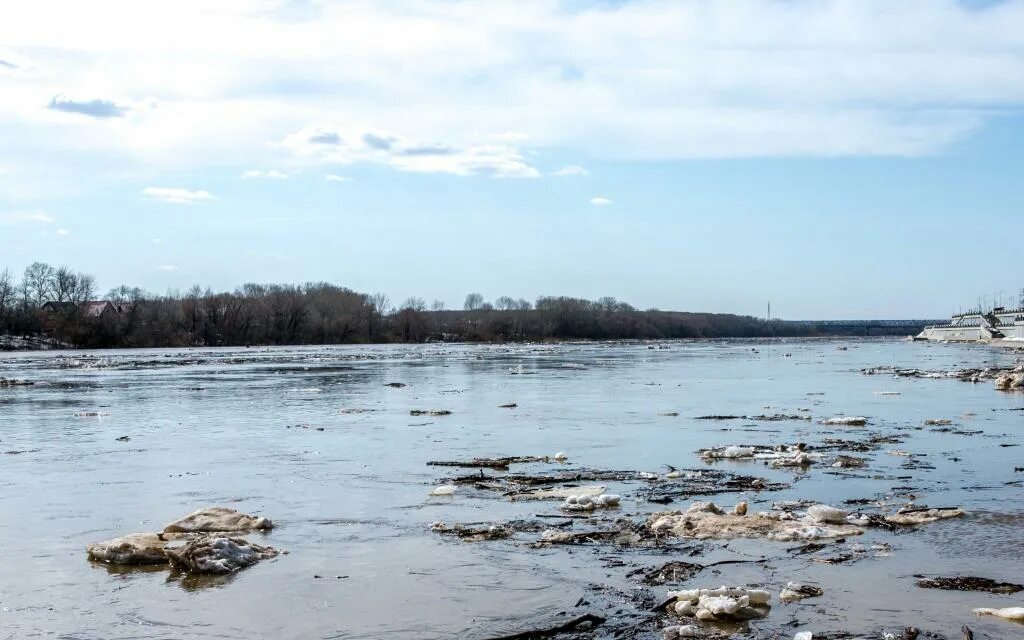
{"points": [[766, 489]]}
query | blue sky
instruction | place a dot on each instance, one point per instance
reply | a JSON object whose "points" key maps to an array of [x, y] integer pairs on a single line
{"points": [[840, 159]]}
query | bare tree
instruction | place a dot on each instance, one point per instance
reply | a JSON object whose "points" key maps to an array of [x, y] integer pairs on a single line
{"points": [[65, 281], [192, 310], [505, 303], [7, 291], [85, 288], [410, 320], [126, 295], [72, 288], [37, 284], [437, 305], [380, 306], [474, 302], [415, 304], [381, 303]]}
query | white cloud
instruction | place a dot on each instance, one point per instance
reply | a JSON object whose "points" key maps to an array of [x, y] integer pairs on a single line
{"points": [[638, 80], [16, 217], [271, 174], [63, 232], [158, 241], [94, 108], [571, 170], [599, 201], [336, 178], [176, 195], [11, 62], [357, 144], [167, 267]]}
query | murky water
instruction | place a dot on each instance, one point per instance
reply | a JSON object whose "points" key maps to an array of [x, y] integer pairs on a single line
{"points": [[211, 427]]}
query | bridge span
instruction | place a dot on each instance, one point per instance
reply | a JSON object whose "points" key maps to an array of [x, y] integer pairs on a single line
{"points": [[866, 327]]}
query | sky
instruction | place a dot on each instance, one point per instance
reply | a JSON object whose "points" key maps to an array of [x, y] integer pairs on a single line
{"points": [[834, 158]]}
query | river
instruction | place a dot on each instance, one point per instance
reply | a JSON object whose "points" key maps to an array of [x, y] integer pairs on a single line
{"points": [[313, 438]]}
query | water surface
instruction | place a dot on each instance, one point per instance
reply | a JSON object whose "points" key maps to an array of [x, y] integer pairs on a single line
{"points": [[239, 427]]}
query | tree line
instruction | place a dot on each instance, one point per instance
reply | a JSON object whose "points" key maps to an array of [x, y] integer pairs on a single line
{"points": [[55, 302]]}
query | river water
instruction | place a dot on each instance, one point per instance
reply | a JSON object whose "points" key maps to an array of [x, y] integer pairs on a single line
{"points": [[242, 428]]}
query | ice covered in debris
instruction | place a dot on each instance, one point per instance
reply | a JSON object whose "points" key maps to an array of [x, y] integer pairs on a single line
{"points": [[911, 516], [723, 603], [134, 548], [217, 554], [673, 632], [585, 502], [213, 519], [731, 451], [847, 421], [795, 459], [826, 514], [704, 520], [1015, 614], [795, 591]]}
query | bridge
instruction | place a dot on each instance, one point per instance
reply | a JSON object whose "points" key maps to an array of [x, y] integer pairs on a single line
{"points": [[866, 327]]}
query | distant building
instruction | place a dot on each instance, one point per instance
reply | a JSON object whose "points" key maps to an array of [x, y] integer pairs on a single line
{"points": [[100, 309], [90, 309], [52, 307]]}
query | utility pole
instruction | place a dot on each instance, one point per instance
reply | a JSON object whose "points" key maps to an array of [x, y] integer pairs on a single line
{"points": [[769, 311]]}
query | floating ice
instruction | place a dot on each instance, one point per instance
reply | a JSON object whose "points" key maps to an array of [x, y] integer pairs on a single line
{"points": [[217, 554], [795, 591], [847, 421], [756, 596], [681, 631], [826, 514], [213, 519], [583, 502], [1007, 613], [554, 536], [780, 456], [1010, 381], [135, 548], [796, 459], [909, 517], [704, 520], [731, 451], [558, 492], [705, 507], [723, 603]]}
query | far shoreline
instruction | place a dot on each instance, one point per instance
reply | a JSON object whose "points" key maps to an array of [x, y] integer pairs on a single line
{"points": [[38, 345]]}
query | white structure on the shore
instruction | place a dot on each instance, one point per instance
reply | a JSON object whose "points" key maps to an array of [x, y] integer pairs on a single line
{"points": [[998, 324]]}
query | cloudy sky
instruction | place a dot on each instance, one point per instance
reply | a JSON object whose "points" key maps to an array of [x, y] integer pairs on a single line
{"points": [[839, 158]]}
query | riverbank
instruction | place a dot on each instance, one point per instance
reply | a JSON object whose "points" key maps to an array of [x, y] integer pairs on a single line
{"points": [[30, 343]]}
